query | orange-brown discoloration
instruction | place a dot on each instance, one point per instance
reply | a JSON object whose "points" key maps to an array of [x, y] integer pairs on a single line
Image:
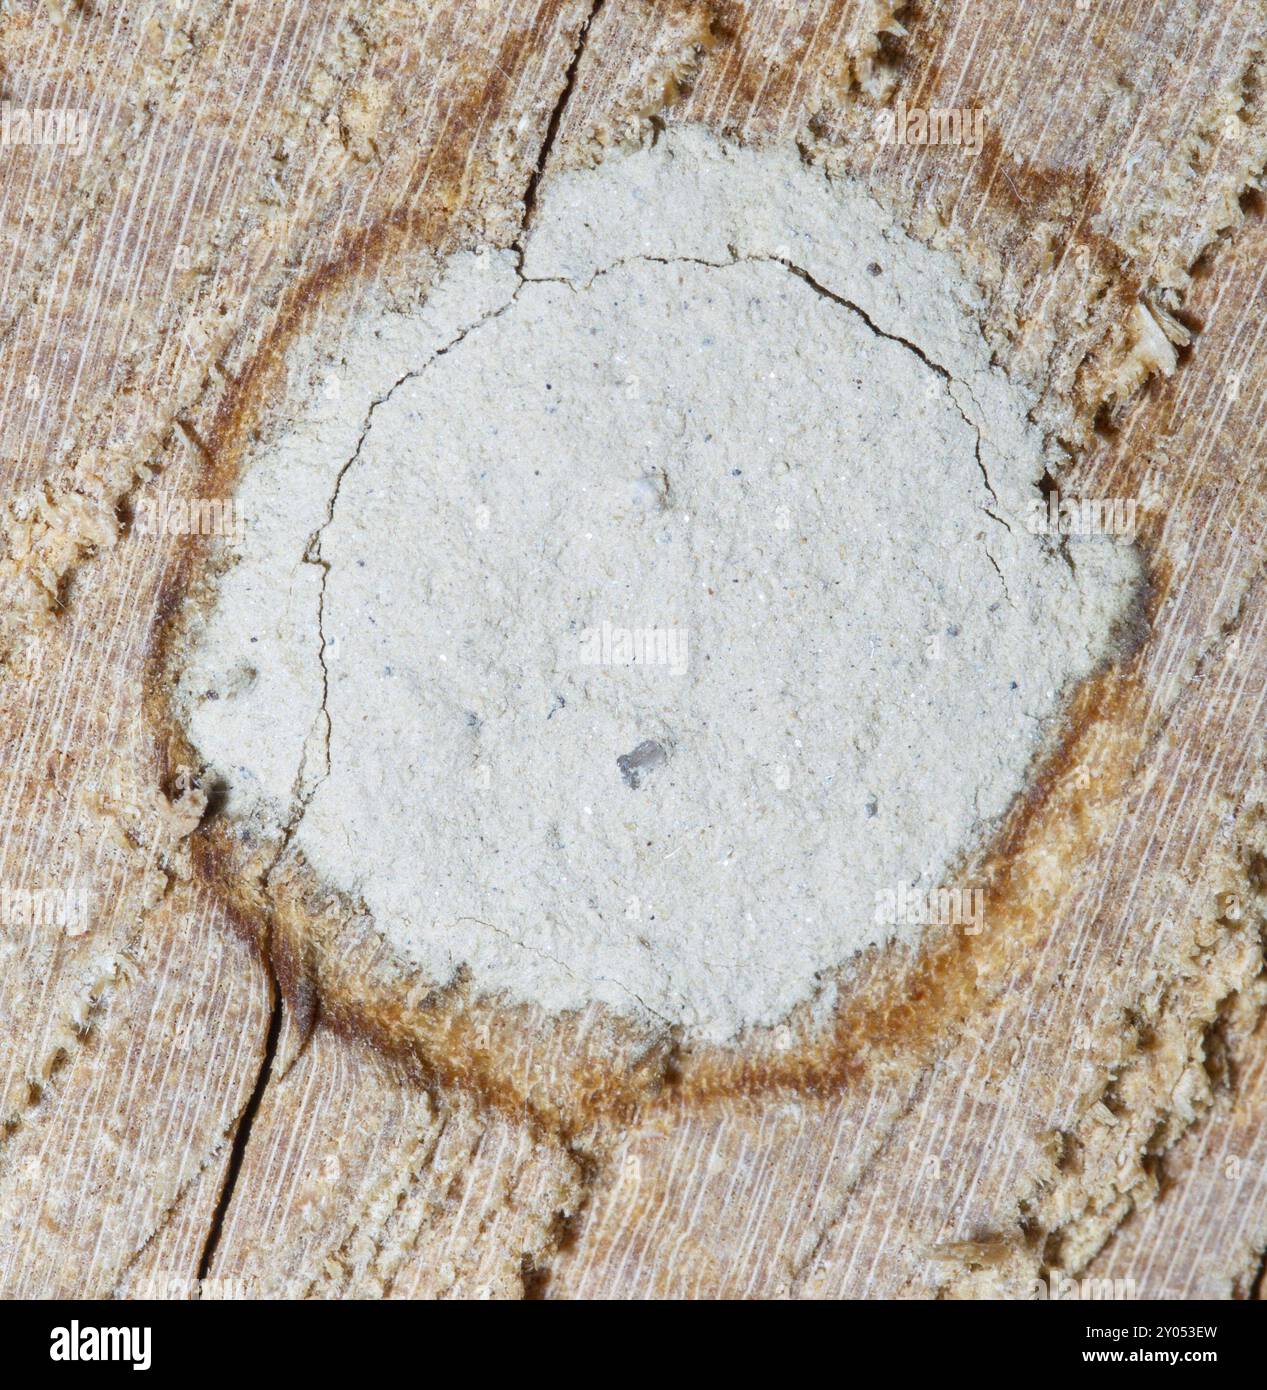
{"points": [[568, 1074]]}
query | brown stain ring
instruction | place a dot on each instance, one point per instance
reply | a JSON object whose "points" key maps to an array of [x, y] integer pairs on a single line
{"points": [[443, 1039], [567, 1075]]}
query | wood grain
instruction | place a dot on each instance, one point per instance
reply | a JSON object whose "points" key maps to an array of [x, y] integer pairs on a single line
{"points": [[1065, 1096]]}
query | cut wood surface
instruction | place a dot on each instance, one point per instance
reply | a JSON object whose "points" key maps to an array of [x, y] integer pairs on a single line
{"points": [[213, 1081]]}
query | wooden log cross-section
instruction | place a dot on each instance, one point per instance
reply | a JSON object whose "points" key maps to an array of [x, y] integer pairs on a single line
{"points": [[274, 278]]}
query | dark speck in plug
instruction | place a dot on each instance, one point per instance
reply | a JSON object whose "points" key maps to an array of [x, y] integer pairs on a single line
{"points": [[647, 757]]}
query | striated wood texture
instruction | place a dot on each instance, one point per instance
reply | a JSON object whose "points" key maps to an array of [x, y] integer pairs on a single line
{"points": [[190, 1088]]}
